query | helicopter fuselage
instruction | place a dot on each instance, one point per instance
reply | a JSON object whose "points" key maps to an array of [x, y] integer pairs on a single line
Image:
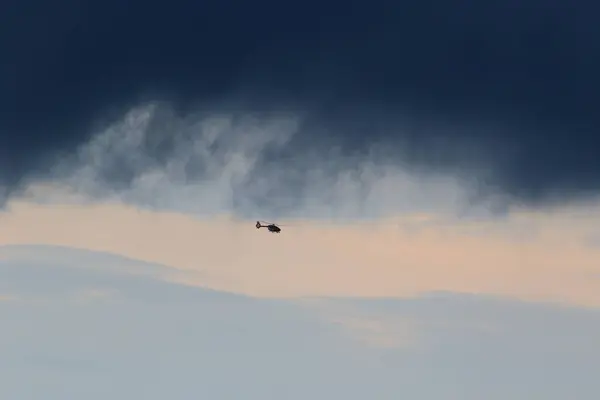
{"points": [[273, 228]]}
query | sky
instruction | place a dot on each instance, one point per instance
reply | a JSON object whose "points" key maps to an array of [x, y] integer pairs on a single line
{"points": [[432, 166]]}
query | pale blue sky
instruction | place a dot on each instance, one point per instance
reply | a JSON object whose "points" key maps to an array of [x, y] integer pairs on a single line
{"points": [[99, 327]]}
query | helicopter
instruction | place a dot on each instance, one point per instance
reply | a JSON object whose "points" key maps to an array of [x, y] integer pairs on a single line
{"points": [[271, 227]]}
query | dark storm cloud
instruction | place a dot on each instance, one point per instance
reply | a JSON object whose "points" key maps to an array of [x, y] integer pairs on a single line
{"points": [[522, 73]]}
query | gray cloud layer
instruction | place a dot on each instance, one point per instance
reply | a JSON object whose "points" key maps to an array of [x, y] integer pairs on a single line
{"points": [[248, 165], [462, 87]]}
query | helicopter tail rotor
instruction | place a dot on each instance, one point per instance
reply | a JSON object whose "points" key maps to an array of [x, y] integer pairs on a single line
{"points": [[258, 225]]}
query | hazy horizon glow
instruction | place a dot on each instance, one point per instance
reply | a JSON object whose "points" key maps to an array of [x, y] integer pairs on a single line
{"points": [[541, 257]]}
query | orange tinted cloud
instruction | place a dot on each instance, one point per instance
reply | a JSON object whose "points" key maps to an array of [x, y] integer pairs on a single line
{"points": [[530, 256]]}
